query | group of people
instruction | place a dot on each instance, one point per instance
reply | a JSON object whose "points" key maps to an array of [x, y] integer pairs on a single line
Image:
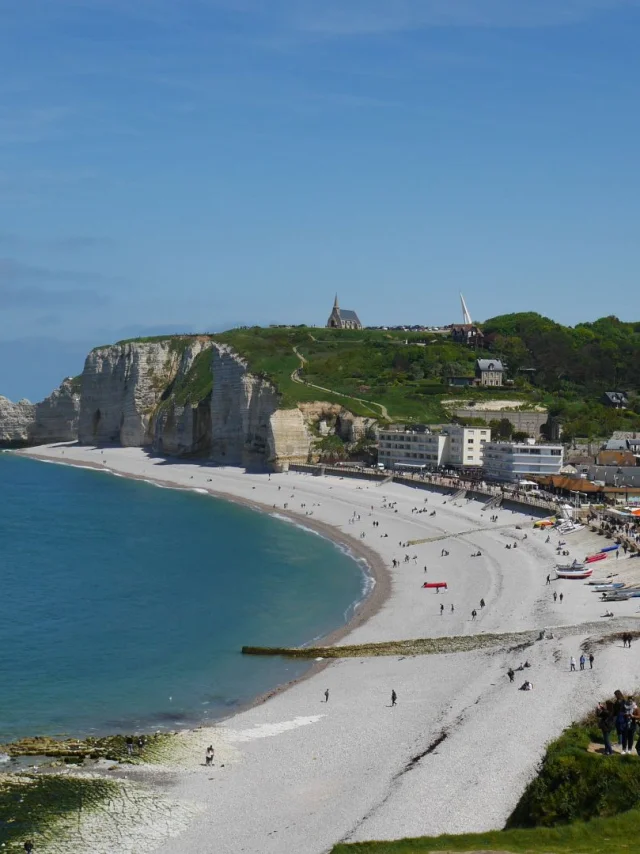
{"points": [[621, 714], [527, 685], [583, 661]]}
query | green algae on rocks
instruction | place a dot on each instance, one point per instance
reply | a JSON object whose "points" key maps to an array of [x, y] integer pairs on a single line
{"points": [[32, 804], [112, 747]]}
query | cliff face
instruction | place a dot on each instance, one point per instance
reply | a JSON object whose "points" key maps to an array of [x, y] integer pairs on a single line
{"points": [[195, 396], [181, 429], [123, 385], [180, 396], [242, 405], [16, 421], [56, 418]]}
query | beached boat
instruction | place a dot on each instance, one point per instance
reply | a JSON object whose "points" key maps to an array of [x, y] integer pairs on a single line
{"points": [[435, 585], [600, 588], [615, 596], [576, 564], [610, 549], [594, 558], [574, 572]]}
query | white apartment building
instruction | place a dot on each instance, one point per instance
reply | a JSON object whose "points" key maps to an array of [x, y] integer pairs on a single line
{"points": [[465, 445], [418, 448], [512, 461], [413, 448]]}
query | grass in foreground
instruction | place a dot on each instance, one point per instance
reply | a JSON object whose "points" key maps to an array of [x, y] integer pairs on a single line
{"points": [[599, 836]]}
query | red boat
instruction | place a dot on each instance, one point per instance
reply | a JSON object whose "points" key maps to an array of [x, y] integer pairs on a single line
{"points": [[436, 584], [594, 558]]}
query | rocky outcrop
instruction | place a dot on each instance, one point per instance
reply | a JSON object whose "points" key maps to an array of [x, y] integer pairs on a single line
{"points": [[123, 385], [16, 421], [56, 418], [327, 419]]}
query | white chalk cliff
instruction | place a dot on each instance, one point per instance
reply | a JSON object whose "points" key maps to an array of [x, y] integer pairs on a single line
{"points": [[184, 395], [55, 419], [123, 385]]}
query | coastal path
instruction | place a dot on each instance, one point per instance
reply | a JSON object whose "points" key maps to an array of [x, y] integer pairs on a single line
{"points": [[369, 404]]}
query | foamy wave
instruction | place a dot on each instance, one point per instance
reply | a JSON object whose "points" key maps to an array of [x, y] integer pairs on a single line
{"points": [[299, 525]]}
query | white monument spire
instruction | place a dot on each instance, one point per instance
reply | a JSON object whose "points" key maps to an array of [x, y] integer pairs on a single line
{"points": [[466, 317]]}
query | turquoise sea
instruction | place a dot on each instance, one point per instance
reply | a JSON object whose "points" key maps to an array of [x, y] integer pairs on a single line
{"points": [[123, 606]]}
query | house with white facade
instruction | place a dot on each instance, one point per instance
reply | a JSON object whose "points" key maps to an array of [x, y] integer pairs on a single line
{"points": [[512, 461]]}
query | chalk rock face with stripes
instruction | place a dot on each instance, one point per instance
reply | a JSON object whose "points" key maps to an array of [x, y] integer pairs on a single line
{"points": [[126, 387], [55, 419]]}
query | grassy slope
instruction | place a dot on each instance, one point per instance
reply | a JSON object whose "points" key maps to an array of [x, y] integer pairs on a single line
{"points": [[373, 365], [580, 802]]}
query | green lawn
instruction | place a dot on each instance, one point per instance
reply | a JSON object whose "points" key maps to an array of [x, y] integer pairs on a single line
{"points": [[599, 836]]}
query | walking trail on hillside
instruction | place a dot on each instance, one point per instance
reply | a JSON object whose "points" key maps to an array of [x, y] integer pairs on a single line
{"points": [[295, 376]]}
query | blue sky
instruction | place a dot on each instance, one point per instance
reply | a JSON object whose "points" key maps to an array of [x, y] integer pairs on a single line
{"points": [[170, 165]]}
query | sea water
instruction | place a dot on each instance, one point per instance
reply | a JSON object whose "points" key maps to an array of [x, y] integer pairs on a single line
{"points": [[124, 606]]}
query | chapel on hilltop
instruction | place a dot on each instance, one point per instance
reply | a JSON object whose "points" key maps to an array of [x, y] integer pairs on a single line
{"points": [[342, 318]]}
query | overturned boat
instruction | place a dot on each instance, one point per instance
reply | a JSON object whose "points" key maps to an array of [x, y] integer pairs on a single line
{"points": [[579, 571]]}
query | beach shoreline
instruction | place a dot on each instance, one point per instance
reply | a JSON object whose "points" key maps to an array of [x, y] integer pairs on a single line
{"points": [[352, 769]]}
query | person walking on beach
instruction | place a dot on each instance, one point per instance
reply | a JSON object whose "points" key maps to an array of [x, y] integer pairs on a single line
{"points": [[441, 609], [129, 746], [326, 696], [548, 579], [583, 661], [474, 614], [28, 846], [511, 674], [572, 663], [452, 608], [394, 698], [555, 596], [591, 660], [482, 603], [561, 597], [208, 758]]}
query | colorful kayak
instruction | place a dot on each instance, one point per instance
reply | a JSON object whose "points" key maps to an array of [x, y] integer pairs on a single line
{"points": [[594, 558], [610, 549], [435, 584], [574, 573]]}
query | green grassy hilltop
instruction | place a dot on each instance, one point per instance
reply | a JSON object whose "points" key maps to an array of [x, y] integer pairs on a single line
{"points": [[403, 376]]}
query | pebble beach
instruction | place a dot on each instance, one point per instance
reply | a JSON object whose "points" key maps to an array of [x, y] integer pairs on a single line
{"points": [[296, 773]]}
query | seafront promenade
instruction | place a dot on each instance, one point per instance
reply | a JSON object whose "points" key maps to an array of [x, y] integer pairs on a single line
{"points": [[295, 773]]}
